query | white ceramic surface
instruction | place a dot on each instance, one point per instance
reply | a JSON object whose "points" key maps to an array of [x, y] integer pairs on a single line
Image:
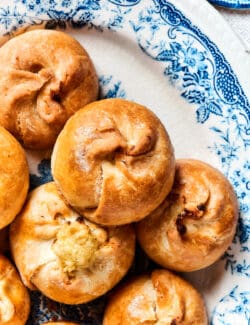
{"points": [[182, 60]]}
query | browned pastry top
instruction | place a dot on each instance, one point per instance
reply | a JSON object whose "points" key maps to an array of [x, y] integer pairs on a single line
{"points": [[68, 258], [113, 162], [196, 223], [14, 297], [45, 76], [161, 298], [14, 177]]}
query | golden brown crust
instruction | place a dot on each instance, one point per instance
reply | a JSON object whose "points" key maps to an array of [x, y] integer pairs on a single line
{"points": [[45, 76], [68, 258], [159, 298], [14, 177], [196, 223], [113, 162], [15, 301]]}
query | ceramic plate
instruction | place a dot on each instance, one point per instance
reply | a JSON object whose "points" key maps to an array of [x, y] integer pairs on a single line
{"points": [[235, 4], [180, 59]]}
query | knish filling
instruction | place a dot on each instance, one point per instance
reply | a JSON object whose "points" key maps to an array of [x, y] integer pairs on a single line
{"points": [[188, 202], [76, 245]]}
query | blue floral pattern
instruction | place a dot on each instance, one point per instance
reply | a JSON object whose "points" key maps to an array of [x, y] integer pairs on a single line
{"points": [[44, 309], [60, 14], [110, 88], [232, 309], [125, 2], [195, 66]]}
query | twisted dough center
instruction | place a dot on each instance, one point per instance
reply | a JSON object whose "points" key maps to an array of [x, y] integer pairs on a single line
{"points": [[40, 88], [111, 149], [109, 141]]}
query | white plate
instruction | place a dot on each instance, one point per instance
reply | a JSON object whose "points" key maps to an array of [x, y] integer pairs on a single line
{"points": [[181, 60], [234, 4]]}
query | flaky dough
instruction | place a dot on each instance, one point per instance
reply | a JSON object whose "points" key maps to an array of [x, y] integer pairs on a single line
{"points": [[45, 76], [113, 162], [14, 177], [196, 223], [14, 297], [68, 258], [159, 298]]}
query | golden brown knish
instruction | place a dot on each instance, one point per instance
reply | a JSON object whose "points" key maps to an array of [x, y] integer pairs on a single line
{"points": [[14, 297], [157, 298], [113, 162], [45, 76], [66, 257], [14, 177], [196, 223]]}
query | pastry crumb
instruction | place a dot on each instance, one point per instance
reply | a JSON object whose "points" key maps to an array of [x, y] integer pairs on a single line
{"points": [[75, 246]]}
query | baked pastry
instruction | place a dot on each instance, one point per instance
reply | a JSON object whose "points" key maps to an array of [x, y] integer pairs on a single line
{"points": [[196, 223], [15, 301], [66, 257], [14, 177], [113, 162], [45, 76], [157, 298]]}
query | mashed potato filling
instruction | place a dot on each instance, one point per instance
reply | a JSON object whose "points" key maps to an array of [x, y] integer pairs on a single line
{"points": [[75, 246]]}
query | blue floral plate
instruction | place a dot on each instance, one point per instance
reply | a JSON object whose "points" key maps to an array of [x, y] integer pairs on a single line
{"points": [[234, 4], [180, 59]]}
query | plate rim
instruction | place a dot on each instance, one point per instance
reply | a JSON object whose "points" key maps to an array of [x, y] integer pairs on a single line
{"points": [[233, 68], [239, 5]]}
